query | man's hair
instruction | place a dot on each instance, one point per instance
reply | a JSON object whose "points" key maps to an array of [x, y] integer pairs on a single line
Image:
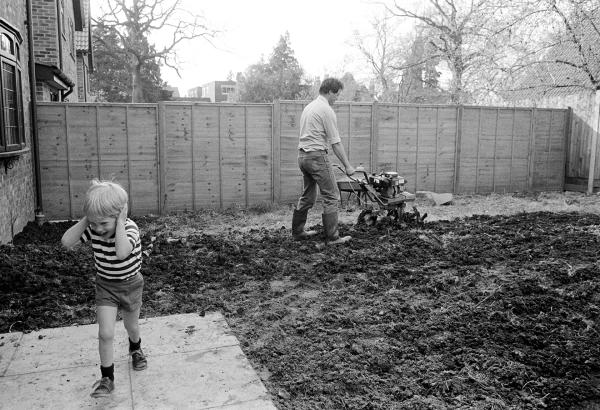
{"points": [[330, 84], [104, 199]]}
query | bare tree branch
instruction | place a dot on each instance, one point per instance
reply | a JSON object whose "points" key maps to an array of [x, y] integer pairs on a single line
{"points": [[135, 21]]}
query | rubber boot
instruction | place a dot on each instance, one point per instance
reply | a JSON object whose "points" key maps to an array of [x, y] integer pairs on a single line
{"points": [[298, 222], [332, 235]]}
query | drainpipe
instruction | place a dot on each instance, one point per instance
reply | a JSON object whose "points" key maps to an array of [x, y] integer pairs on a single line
{"points": [[59, 27], [39, 209], [65, 95]]}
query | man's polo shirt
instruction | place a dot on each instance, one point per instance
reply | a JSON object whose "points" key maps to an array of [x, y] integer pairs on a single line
{"points": [[318, 126]]}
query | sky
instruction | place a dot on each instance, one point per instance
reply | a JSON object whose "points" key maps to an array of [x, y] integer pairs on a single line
{"points": [[320, 35]]}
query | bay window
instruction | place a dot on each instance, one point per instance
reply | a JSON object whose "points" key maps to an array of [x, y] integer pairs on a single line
{"points": [[12, 133]]}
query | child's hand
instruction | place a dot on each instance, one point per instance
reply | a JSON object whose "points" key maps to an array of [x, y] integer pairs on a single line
{"points": [[123, 215]]}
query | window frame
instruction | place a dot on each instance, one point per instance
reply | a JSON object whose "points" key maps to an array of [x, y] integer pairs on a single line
{"points": [[12, 59], [227, 89]]}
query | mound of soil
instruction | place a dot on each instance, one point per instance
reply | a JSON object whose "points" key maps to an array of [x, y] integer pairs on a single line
{"points": [[487, 312]]}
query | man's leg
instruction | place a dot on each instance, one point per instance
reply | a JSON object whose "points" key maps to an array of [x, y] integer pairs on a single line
{"points": [[305, 203], [309, 185], [331, 195]]}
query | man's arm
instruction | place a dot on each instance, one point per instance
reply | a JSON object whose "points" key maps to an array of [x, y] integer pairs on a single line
{"points": [[338, 150], [71, 237]]}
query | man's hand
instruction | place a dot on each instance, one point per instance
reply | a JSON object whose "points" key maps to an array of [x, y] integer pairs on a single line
{"points": [[123, 214], [350, 170]]}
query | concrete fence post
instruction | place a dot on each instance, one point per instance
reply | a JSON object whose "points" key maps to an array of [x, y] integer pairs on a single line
{"points": [[162, 159], [594, 145]]}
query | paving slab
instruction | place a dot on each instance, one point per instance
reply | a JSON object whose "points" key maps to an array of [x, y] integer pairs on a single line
{"points": [[8, 348], [194, 362]]}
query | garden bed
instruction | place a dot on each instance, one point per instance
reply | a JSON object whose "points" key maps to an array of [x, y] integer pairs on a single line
{"points": [[491, 311]]}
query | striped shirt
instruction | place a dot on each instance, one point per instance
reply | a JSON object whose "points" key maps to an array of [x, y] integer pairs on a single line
{"points": [[108, 266]]}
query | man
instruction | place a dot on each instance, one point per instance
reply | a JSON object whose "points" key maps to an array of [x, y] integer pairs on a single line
{"points": [[318, 131]]}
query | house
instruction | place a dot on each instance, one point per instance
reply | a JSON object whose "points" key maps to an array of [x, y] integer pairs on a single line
{"points": [[45, 55], [215, 91]]}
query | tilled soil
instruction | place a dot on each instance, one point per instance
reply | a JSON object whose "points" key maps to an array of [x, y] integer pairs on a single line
{"points": [[487, 312]]}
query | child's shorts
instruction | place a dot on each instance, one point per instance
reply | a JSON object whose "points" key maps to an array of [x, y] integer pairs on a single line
{"points": [[126, 294]]}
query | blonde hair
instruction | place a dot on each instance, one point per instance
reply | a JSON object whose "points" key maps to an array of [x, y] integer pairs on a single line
{"points": [[104, 199]]}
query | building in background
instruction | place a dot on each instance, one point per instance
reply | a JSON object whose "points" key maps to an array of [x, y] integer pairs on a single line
{"points": [[62, 49], [215, 91], [44, 56], [174, 91], [83, 50]]}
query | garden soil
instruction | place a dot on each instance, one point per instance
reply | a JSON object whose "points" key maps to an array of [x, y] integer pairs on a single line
{"points": [[478, 312]]}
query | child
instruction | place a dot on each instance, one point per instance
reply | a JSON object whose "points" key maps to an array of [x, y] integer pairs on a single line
{"points": [[118, 255]]}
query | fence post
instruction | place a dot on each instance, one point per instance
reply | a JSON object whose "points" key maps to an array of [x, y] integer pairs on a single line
{"points": [[593, 148], [276, 153], [162, 158], [567, 145], [531, 153], [131, 204], [192, 156], [69, 177], [457, 148], [374, 135]]}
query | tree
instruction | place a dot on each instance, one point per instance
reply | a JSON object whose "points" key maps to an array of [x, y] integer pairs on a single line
{"points": [[353, 91], [420, 81], [468, 35], [278, 78], [133, 21], [111, 80], [255, 84], [383, 50], [561, 53]]}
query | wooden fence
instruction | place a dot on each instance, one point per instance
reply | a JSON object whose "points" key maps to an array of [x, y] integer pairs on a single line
{"points": [[187, 156]]}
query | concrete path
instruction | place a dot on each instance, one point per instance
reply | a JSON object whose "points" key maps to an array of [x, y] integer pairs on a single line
{"points": [[193, 363]]}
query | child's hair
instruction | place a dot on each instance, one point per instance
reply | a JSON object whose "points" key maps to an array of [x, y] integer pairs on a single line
{"points": [[104, 199]]}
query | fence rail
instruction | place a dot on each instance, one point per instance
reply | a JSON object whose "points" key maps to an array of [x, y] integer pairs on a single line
{"points": [[187, 156]]}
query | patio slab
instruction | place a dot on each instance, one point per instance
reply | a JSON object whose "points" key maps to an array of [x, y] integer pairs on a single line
{"points": [[194, 362]]}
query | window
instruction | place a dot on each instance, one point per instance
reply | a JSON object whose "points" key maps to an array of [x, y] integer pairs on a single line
{"points": [[12, 133], [227, 89]]}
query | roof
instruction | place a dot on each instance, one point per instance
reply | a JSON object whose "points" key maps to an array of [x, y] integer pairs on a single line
{"points": [[81, 41], [52, 75], [83, 36]]}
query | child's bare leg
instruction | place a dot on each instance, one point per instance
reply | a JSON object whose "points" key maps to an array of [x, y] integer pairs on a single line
{"points": [[131, 323], [106, 317]]}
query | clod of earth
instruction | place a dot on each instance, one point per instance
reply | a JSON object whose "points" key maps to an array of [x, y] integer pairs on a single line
{"points": [[485, 312]]}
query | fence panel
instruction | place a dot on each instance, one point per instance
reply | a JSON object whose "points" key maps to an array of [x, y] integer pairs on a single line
{"points": [[290, 178], [188, 156], [79, 142], [205, 125], [54, 162], [259, 159]]}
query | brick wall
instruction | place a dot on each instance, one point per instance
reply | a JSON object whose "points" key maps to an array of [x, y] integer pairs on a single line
{"points": [[47, 39], [17, 203], [44, 37]]}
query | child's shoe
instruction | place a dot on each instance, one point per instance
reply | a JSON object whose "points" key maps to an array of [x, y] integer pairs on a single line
{"points": [[103, 387], [138, 360]]}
